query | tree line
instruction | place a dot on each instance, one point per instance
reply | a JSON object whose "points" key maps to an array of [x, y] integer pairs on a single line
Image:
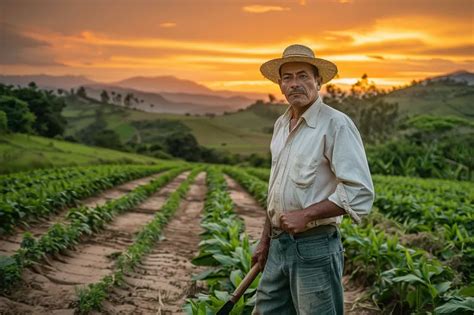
{"points": [[31, 110]]}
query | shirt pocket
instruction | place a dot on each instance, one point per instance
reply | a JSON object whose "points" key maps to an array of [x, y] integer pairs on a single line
{"points": [[303, 172]]}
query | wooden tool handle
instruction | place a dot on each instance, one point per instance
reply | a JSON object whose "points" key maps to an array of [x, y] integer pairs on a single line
{"points": [[246, 282]]}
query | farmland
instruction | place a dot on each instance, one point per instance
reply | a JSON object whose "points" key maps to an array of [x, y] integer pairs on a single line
{"points": [[178, 237], [240, 132]]}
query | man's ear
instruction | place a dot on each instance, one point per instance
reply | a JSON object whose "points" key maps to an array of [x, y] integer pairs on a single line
{"points": [[320, 82]]}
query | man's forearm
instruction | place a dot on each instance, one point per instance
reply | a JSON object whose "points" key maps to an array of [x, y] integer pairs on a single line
{"points": [[322, 210], [265, 238]]}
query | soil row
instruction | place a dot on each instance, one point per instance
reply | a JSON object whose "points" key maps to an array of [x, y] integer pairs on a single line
{"points": [[11, 243], [50, 287]]}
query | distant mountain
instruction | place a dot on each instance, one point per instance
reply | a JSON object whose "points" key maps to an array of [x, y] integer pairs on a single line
{"points": [[197, 103], [167, 93], [171, 84], [163, 84], [156, 103], [48, 82], [227, 103], [458, 76]]}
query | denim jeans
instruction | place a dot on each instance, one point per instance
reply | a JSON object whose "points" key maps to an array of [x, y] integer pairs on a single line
{"points": [[302, 276]]}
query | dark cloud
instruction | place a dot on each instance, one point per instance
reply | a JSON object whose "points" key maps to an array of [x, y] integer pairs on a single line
{"points": [[463, 50], [377, 57], [18, 49]]}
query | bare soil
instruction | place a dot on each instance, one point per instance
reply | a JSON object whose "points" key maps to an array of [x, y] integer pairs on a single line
{"points": [[50, 287], [11, 243], [162, 282], [247, 208]]}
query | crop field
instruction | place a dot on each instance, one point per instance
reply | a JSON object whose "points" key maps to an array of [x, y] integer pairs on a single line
{"points": [[178, 237]]}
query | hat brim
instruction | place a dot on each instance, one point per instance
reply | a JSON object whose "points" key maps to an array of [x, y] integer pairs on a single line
{"points": [[271, 68]]}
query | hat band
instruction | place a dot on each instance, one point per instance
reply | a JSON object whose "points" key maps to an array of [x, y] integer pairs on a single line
{"points": [[297, 55]]}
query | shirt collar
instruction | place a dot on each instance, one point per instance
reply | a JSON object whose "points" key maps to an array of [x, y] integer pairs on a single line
{"points": [[310, 116]]}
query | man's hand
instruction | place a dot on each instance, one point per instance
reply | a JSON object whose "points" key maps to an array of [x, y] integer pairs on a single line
{"points": [[261, 253], [294, 221]]}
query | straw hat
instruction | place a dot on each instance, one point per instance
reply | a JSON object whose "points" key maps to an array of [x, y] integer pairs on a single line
{"points": [[298, 53]]}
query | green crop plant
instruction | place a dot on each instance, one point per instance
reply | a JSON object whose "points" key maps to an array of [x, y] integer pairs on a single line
{"points": [[402, 278], [226, 249], [25, 199], [91, 297], [82, 221]]}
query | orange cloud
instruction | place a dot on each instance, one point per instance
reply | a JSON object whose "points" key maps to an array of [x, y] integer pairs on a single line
{"points": [[391, 45], [168, 24], [264, 8]]}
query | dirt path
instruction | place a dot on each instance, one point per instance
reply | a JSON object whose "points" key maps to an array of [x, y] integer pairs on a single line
{"points": [[50, 288], [247, 208], [352, 294], [162, 281], [11, 243], [254, 217]]}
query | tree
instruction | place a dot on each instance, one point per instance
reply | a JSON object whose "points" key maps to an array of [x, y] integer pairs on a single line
{"points": [[81, 92], [183, 145], [117, 99], [104, 97], [18, 116], [97, 134], [3, 122], [47, 108], [107, 138], [364, 104], [128, 100], [271, 98], [364, 88]]}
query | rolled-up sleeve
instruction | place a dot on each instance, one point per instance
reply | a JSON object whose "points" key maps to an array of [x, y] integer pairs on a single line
{"points": [[354, 191]]}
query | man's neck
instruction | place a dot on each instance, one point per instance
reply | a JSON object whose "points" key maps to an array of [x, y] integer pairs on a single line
{"points": [[298, 111]]}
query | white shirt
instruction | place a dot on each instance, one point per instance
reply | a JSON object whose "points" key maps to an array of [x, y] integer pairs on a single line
{"points": [[322, 158]]}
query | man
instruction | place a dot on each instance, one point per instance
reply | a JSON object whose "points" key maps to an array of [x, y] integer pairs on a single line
{"points": [[319, 173]]}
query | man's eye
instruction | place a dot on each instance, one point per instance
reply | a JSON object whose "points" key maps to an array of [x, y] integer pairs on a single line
{"points": [[303, 76]]}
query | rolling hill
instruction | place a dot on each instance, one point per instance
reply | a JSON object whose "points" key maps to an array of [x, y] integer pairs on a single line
{"points": [[245, 131], [164, 94], [19, 152], [176, 103], [449, 94], [435, 97]]}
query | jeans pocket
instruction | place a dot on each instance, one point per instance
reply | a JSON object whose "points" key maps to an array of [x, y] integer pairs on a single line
{"points": [[313, 250], [314, 284]]}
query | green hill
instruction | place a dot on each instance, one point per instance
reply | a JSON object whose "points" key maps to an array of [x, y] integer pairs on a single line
{"points": [[435, 98], [249, 131], [244, 132], [19, 152]]}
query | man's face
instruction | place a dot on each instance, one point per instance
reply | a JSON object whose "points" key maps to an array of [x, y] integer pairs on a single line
{"points": [[298, 83]]}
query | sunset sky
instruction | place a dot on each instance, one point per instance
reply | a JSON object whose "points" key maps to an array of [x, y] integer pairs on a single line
{"points": [[221, 44]]}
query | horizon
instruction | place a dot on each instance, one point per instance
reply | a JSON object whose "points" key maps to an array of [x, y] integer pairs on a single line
{"points": [[392, 43], [343, 84]]}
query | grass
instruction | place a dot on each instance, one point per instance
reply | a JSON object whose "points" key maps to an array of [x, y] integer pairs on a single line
{"points": [[436, 99], [248, 131], [20, 152], [240, 132]]}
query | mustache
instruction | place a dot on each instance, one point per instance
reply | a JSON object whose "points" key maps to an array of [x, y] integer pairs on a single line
{"points": [[297, 91]]}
